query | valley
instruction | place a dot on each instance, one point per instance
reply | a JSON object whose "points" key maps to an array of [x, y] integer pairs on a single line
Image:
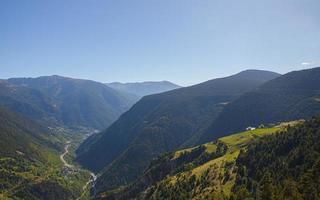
{"points": [[66, 151], [86, 188], [186, 143], [160, 100]]}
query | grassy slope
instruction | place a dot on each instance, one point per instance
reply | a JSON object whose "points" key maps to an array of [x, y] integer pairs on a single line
{"points": [[211, 179], [222, 165]]}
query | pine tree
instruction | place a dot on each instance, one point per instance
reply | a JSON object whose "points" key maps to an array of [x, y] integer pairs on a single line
{"points": [[266, 191], [290, 191]]}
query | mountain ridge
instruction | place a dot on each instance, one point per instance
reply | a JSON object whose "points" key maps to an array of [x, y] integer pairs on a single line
{"points": [[75, 102], [159, 123], [289, 97]]}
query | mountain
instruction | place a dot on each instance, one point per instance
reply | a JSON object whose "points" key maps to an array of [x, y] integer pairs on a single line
{"points": [[279, 162], [27, 101], [29, 161], [144, 88], [19, 134], [66, 101], [161, 123], [283, 166], [292, 96]]}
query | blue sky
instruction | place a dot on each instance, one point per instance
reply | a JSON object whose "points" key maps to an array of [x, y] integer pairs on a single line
{"points": [[184, 41]]}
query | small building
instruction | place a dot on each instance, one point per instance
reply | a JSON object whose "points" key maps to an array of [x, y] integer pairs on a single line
{"points": [[250, 128]]}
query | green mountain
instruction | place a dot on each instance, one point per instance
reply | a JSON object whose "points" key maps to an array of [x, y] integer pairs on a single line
{"points": [[161, 123], [30, 167], [66, 101], [292, 96], [278, 163], [27, 101], [144, 88]]}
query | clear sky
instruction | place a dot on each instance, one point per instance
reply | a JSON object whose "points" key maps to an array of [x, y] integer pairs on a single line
{"points": [[184, 41]]}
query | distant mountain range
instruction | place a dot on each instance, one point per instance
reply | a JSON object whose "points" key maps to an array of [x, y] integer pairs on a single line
{"points": [[144, 88], [160, 123], [56, 101]]}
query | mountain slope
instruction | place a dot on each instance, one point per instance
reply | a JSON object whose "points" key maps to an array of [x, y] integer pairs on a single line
{"points": [[160, 123], [201, 172], [21, 134], [29, 162], [292, 96], [27, 101], [77, 102], [267, 163], [283, 166], [144, 88]]}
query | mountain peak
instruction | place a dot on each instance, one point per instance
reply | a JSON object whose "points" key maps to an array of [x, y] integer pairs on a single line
{"points": [[257, 72]]}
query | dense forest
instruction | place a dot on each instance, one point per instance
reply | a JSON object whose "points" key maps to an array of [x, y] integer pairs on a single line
{"points": [[282, 166]]}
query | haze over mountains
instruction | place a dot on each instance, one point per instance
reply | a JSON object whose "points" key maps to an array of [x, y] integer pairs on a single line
{"points": [[144, 88]]}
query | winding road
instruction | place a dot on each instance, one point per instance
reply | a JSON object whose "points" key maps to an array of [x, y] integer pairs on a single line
{"points": [[66, 164], [66, 151]]}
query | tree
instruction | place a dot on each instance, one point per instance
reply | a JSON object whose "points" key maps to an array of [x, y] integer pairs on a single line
{"points": [[266, 191], [290, 191]]}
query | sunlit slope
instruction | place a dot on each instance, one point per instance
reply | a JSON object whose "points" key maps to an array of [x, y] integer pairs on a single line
{"points": [[202, 172], [30, 167]]}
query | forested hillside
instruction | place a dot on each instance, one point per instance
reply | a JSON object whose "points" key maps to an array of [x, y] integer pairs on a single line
{"points": [[161, 123], [202, 172], [282, 166], [28, 102], [30, 167], [267, 163], [78, 102], [295, 95]]}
